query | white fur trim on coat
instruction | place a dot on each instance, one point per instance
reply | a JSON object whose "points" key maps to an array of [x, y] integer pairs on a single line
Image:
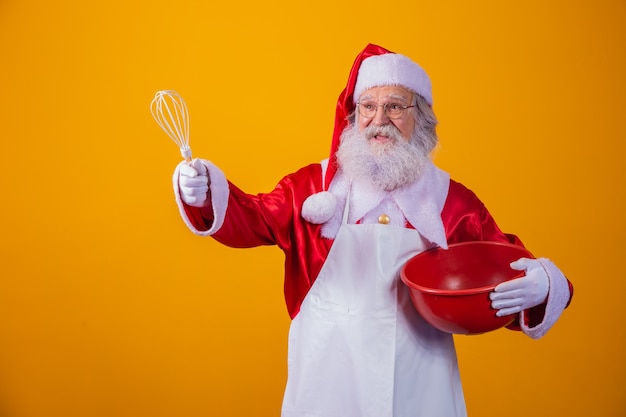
{"points": [[219, 197], [558, 297]]}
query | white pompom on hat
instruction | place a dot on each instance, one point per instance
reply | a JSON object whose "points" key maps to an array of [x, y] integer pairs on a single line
{"points": [[319, 208], [393, 69]]}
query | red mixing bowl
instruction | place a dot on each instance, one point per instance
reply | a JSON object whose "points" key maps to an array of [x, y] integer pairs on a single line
{"points": [[450, 287]]}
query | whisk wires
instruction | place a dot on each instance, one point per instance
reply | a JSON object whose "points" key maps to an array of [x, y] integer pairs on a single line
{"points": [[170, 111]]}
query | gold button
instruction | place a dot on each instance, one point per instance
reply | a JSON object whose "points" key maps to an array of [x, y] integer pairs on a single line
{"points": [[383, 219]]}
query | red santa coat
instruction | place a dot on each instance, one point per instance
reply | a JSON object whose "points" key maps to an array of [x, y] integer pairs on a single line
{"points": [[274, 218]]}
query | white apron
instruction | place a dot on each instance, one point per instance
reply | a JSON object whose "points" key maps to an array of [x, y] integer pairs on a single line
{"points": [[358, 348]]}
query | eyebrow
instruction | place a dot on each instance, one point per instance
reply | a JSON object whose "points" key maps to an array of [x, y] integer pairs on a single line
{"points": [[391, 96]]}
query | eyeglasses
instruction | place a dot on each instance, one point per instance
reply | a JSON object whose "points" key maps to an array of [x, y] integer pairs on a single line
{"points": [[392, 110]]}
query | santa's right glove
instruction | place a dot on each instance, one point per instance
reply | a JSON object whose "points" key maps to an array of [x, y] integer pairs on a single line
{"points": [[193, 182]]}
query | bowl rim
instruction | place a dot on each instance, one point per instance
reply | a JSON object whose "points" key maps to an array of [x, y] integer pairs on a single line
{"points": [[468, 291]]}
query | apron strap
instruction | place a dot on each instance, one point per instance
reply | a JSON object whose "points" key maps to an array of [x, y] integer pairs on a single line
{"points": [[346, 208]]}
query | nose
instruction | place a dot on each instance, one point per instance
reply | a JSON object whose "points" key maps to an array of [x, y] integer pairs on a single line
{"points": [[380, 118]]}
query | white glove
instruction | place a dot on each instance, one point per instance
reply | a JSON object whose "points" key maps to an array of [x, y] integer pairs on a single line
{"points": [[522, 293], [193, 182]]}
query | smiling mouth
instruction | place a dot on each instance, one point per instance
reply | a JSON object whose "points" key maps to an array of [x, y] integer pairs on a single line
{"points": [[380, 138]]}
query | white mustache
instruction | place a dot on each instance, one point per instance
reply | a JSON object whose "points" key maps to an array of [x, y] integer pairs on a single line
{"points": [[388, 130]]}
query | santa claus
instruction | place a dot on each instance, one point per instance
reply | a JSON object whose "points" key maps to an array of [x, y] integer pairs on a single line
{"points": [[357, 347]]}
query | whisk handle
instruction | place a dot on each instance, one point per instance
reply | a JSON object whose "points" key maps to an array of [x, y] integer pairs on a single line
{"points": [[186, 153]]}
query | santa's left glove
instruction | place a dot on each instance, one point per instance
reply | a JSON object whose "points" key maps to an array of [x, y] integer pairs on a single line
{"points": [[519, 294], [193, 183]]}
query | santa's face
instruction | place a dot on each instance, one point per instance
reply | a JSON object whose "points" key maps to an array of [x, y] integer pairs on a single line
{"points": [[376, 150], [379, 96]]}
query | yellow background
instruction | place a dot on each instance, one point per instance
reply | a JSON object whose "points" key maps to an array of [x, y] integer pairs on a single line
{"points": [[109, 306]]}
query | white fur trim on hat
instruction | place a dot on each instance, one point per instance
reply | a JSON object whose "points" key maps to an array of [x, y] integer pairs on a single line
{"points": [[392, 69]]}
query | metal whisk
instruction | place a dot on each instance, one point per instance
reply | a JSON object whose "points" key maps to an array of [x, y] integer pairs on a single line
{"points": [[170, 112]]}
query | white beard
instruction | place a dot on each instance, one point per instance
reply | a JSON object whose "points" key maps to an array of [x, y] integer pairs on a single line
{"points": [[387, 165]]}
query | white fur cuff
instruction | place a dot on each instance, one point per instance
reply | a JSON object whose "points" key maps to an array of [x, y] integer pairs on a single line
{"points": [[558, 297]]}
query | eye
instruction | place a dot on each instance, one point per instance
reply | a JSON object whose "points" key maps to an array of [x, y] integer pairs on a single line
{"points": [[395, 106], [368, 106]]}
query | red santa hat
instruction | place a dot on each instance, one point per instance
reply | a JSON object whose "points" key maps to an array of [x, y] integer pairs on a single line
{"points": [[375, 66]]}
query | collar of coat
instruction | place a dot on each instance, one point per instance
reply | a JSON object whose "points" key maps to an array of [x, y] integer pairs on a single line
{"points": [[421, 202]]}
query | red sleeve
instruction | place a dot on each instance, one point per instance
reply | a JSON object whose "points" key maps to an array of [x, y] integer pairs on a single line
{"points": [[274, 218], [465, 218]]}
